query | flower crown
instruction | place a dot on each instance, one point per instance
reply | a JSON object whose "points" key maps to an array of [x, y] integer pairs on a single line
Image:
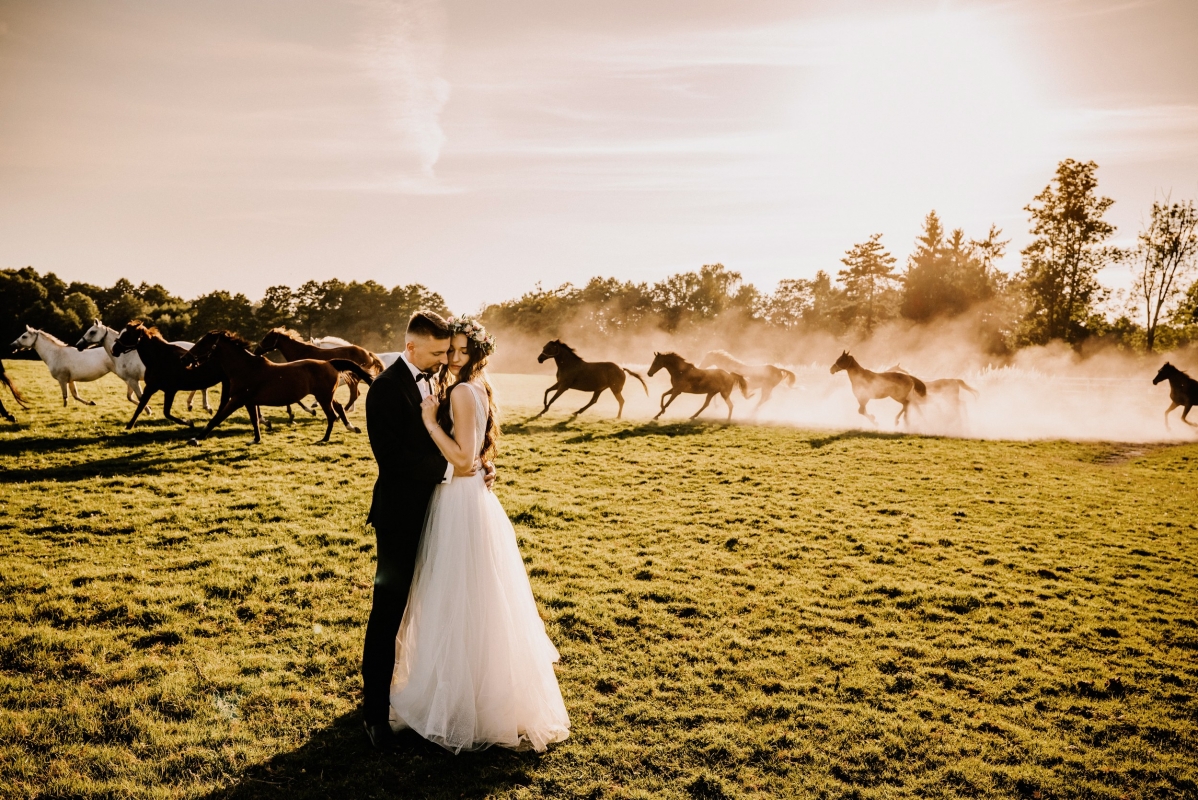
{"points": [[474, 331]]}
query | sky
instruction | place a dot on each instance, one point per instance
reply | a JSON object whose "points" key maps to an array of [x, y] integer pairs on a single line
{"points": [[483, 147]]}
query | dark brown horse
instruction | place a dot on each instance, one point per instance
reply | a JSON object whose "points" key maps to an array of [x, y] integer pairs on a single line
{"points": [[585, 376], [898, 386], [16, 394], [1183, 391], [165, 370], [255, 381], [686, 378], [293, 347]]}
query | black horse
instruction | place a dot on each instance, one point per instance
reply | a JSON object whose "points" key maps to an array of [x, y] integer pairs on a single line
{"points": [[16, 394], [1183, 391], [586, 376]]}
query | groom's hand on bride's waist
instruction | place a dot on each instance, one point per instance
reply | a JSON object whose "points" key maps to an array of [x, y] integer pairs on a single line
{"points": [[488, 474]]}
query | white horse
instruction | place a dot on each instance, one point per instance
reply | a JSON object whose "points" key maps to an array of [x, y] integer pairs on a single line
{"points": [[765, 377], [128, 365], [65, 363], [336, 341]]}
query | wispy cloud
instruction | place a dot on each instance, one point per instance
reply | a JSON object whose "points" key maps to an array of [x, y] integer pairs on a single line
{"points": [[402, 49]]}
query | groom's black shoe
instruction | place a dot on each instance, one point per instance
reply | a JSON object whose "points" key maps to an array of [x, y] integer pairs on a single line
{"points": [[381, 736]]}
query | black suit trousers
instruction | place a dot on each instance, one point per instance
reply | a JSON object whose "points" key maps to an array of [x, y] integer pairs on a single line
{"points": [[396, 548]]}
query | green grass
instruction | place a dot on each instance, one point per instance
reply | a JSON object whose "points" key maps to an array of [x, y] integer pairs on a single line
{"points": [[742, 612]]}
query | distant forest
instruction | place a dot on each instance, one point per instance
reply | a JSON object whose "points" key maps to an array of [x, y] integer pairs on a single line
{"points": [[1055, 295]]}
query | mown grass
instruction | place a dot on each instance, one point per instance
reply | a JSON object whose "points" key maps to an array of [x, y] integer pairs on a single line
{"points": [[742, 612]]}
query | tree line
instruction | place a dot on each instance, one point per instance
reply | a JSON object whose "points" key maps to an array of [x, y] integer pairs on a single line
{"points": [[1055, 295]]}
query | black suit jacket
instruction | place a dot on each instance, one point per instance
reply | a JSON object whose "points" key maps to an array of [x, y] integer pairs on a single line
{"points": [[410, 465]]}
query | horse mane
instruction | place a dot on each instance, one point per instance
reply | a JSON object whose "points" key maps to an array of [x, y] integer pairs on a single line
{"points": [[290, 333], [724, 354], [679, 359], [51, 337], [234, 338], [567, 348]]}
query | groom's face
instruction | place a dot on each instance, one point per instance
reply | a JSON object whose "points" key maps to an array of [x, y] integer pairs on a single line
{"points": [[425, 352]]}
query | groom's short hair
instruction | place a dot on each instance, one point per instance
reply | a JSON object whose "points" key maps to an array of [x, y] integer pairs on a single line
{"points": [[428, 323]]}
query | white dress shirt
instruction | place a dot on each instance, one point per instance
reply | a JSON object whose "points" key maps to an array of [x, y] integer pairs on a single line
{"points": [[425, 391]]}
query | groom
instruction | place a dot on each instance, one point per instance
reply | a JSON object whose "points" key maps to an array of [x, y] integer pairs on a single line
{"points": [[410, 467]]}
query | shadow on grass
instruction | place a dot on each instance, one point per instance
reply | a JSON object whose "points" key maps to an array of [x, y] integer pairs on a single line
{"points": [[672, 429], [338, 762], [823, 441]]}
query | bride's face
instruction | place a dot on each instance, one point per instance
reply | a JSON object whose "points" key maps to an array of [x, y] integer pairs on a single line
{"points": [[457, 353]]}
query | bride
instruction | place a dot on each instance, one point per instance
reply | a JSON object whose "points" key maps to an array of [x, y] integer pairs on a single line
{"points": [[473, 665]]}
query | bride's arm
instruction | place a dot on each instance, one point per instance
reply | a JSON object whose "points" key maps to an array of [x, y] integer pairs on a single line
{"points": [[461, 449]]}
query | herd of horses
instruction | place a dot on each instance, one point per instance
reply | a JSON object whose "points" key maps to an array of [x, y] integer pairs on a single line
{"points": [[148, 364]]}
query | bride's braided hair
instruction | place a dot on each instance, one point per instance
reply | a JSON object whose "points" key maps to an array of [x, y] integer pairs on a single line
{"points": [[478, 349]]}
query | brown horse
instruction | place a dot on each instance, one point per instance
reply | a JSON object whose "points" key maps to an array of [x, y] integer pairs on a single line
{"points": [[16, 394], [765, 377], [165, 370], [293, 347], [585, 376], [255, 381], [1183, 391], [686, 378], [868, 386]]}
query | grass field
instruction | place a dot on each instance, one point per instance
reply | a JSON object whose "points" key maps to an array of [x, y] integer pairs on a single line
{"points": [[742, 611]]}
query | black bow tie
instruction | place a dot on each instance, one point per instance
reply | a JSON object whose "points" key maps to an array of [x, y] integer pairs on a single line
{"points": [[424, 376]]}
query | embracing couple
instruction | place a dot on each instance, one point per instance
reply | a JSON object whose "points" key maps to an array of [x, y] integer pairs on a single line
{"points": [[455, 648]]}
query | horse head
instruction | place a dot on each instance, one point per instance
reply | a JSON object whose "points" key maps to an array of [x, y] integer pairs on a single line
{"points": [[129, 338], [269, 342], [26, 340], [1164, 373], [844, 362], [550, 350], [94, 335]]}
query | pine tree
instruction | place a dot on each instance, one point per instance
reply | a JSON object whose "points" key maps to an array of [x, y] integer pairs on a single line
{"points": [[869, 281]]}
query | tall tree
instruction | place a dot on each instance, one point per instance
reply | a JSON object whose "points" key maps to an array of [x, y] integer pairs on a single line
{"points": [[277, 308], [869, 281], [1164, 256], [1060, 266]]}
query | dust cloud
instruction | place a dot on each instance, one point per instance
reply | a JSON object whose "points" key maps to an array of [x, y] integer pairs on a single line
{"points": [[1051, 392]]}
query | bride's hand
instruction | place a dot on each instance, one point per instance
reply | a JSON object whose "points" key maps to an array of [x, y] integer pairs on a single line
{"points": [[428, 410]]}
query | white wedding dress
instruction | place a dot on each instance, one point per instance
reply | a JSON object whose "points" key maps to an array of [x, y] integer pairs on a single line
{"points": [[473, 665]]}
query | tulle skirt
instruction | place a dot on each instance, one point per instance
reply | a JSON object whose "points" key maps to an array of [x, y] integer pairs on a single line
{"points": [[473, 665]]}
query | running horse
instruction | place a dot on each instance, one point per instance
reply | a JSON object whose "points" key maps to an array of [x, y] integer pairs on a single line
{"points": [[586, 376], [164, 369], [898, 386], [947, 389], [765, 377], [16, 394], [293, 347], [66, 364], [256, 381], [1183, 391], [686, 378]]}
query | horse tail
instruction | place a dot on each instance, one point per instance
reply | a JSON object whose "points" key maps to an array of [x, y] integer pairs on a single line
{"points": [[920, 388], [787, 376], [12, 387], [743, 384], [968, 388], [345, 365], [639, 378]]}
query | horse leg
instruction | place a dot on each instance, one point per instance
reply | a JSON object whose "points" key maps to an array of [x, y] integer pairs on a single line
{"points": [[341, 413], [1168, 411], [227, 407], [4, 413], [666, 403], [545, 399], [168, 399], [728, 402], [1186, 411], [75, 394], [899, 415], [353, 392], [594, 400], [552, 400], [861, 410], [255, 416], [619, 399], [311, 410], [290, 415], [330, 415], [766, 391], [63, 386], [141, 406], [705, 404]]}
